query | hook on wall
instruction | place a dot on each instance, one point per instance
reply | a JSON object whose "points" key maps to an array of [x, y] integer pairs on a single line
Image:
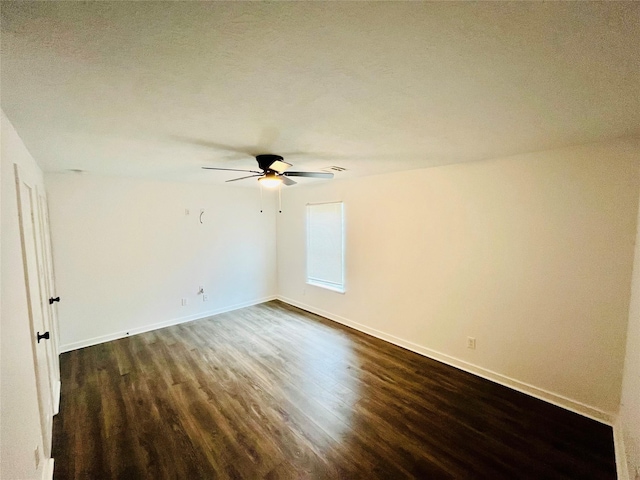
{"points": [[201, 213]]}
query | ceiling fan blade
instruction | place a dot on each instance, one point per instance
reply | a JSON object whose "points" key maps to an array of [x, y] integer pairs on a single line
{"points": [[231, 170], [308, 174], [279, 166], [287, 181], [242, 178]]}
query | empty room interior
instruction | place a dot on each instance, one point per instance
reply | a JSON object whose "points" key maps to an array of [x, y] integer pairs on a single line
{"points": [[320, 240]]}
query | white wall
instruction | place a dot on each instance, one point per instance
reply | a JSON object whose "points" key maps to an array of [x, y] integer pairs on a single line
{"points": [[531, 255], [20, 432], [126, 253], [629, 418]]}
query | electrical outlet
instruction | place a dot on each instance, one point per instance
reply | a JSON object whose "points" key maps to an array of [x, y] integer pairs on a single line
{"points": [[471, 343], [205, 297], [36, 455], [184, 302]]}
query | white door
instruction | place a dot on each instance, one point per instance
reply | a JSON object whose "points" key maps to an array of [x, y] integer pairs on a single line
{"points": [[49, 299], [29, 232]]}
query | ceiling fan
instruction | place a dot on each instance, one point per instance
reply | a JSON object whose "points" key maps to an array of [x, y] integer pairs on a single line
{"points": [[274, 171]]}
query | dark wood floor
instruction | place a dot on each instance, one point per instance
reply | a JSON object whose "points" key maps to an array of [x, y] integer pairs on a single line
{"points": [[274, 392]]}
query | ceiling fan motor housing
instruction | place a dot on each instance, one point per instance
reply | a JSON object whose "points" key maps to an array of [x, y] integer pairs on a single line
{"points": [[267, 159]]}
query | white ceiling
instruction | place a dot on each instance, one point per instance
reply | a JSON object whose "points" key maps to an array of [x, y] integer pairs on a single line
{"points": [[156, 89]]}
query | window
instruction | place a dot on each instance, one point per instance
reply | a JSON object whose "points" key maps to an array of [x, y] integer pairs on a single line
{"points": [[325, 245]]}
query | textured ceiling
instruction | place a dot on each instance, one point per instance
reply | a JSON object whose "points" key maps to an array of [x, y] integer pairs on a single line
{"points": [[159, 89]]}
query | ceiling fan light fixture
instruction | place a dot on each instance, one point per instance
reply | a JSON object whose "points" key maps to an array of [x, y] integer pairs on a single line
{"points": [[270, 180]]}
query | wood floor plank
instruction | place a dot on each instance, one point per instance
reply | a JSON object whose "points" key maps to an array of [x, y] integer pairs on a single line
{"points": [[273, 392]]}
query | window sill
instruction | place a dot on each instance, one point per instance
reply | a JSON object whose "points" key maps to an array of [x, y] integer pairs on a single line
{"points": [[327, 287]]}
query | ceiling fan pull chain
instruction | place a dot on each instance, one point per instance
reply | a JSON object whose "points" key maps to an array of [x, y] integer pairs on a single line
{"points": [[260, 197], [280, 198]]}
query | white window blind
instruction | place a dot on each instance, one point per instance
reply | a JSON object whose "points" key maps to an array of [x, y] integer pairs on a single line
{"points": [[325, 245]]}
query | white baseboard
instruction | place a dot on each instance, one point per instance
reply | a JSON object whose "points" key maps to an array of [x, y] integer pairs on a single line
{"points": [[621, 454], [155, 326], [47, 470], [56, 397], [540, 393]]}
